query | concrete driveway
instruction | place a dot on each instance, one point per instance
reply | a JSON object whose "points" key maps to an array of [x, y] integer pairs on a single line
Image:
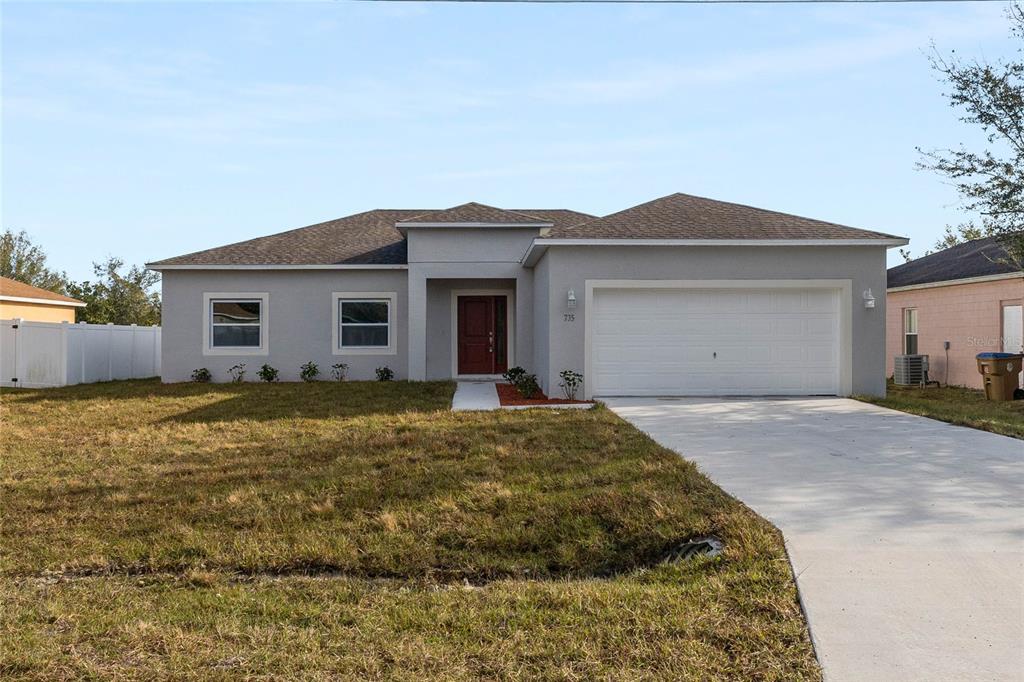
{"points": [[906, 534]]}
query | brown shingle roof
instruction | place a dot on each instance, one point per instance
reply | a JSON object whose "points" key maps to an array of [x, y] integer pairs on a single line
{"points": [[12, 287], [682, 216], [371, 238], [368, 238], [475, 213]]}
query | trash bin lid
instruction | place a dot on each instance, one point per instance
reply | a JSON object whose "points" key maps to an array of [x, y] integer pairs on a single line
{"points": [[995, 356]]}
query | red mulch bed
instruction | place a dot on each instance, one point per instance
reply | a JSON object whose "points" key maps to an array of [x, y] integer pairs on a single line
{"points": [[510, 395]]}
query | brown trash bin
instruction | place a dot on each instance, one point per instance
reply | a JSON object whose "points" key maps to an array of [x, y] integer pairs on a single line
{"points": [[1000, 374]]}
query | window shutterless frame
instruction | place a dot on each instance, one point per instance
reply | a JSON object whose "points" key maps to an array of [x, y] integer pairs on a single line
{"points": [[910, 331], [247, 320], [356, 331]]}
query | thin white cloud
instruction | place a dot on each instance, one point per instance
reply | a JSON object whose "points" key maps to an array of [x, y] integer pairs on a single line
{"points": [[642, 80], [532, 169]]}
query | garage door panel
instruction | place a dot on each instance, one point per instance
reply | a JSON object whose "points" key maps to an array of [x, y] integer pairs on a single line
{"points": [[714, 342]]}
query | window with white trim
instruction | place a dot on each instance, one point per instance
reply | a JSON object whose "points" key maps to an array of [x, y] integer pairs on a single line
{"points": [[910, 331], [235, 323], [363, 323]]}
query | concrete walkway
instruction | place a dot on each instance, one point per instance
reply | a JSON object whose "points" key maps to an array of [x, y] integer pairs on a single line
{"points": [[906, 534], [475, 395]]}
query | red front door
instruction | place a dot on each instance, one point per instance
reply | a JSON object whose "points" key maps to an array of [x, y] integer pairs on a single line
{"points": [[482, 335]]}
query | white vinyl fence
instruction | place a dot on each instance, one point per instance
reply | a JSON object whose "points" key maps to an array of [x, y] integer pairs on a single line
{"points": [[43, 354]]}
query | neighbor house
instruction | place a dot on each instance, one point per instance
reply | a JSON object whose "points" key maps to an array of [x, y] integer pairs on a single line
{"points": [[967, 297], [32, 304], [678, 296]]}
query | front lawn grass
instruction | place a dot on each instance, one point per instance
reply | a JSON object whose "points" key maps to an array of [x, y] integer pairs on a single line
{"points": [[956, 405], [362, 530]]}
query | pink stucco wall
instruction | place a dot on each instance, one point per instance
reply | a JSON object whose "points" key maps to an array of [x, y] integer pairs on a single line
{"points": [[969, 316]]}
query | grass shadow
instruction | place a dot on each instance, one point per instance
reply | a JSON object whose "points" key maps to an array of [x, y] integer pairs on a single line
{"points": [[319, 400], [250, 401]]}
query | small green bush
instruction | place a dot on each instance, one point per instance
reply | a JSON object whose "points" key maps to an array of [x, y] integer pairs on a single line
{"points": [[385, 374], [339, 371], [514, 374], [571, 382], [237, 373], [525, 383], [201, 375], [309, 371], [528, 386], [267, 373]]}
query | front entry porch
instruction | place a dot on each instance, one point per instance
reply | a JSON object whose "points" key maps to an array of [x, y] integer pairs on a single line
{"points": [[473, 328]]}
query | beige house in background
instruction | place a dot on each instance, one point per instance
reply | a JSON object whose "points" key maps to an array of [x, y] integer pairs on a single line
{"points": [[965, 295], [32, 304]]}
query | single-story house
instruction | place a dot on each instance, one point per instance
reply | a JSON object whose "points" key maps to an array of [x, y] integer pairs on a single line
{"points": [[678, 296], [952, 305], [32, 304]]}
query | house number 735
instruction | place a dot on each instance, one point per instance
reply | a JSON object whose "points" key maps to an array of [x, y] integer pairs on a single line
{"points": [[569, 317]]}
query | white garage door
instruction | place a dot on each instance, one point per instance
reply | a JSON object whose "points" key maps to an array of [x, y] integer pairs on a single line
{"points": [[715, 342]]}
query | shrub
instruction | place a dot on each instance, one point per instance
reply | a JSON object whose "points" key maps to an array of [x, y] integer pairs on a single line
{"points": [[514, 374], [267, 373], [571, 382], [385, 374], [528, 386], [237, 373], [309, 371], [339, 371], [201, 375], [525, 383]]}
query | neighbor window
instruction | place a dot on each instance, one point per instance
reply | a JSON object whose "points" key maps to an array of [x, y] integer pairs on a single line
{"points": [[236, 324], [363, 323], [910, 331]]}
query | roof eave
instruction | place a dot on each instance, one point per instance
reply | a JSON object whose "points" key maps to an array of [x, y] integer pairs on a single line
{"points": [[160, 267], [980, 279], [41, 301], [538, 246], [403, 227]]}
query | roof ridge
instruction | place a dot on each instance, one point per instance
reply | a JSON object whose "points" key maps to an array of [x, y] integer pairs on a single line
{"points": [[475, 204]]}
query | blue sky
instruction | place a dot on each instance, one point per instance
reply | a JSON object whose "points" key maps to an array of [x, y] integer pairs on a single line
{"points": [[150, 130]]}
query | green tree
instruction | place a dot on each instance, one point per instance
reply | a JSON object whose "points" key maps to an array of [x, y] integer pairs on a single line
{"points": [[990, 180], [24, 261], [120, 298]]}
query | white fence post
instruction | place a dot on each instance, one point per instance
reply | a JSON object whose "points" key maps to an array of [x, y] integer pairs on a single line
{"points": [[81, 348], [131, 361], [17, 351], [110, 351], [64, 353]]}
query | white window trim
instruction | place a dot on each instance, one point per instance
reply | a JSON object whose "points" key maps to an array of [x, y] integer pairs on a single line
{"points": [[390, 296], [262, 297], [915, 333]]}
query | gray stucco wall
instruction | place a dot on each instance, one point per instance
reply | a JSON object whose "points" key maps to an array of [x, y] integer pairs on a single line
{"points": [[570, 268], [541, 322], [469, 245], [300, 320], [300, 303]]}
